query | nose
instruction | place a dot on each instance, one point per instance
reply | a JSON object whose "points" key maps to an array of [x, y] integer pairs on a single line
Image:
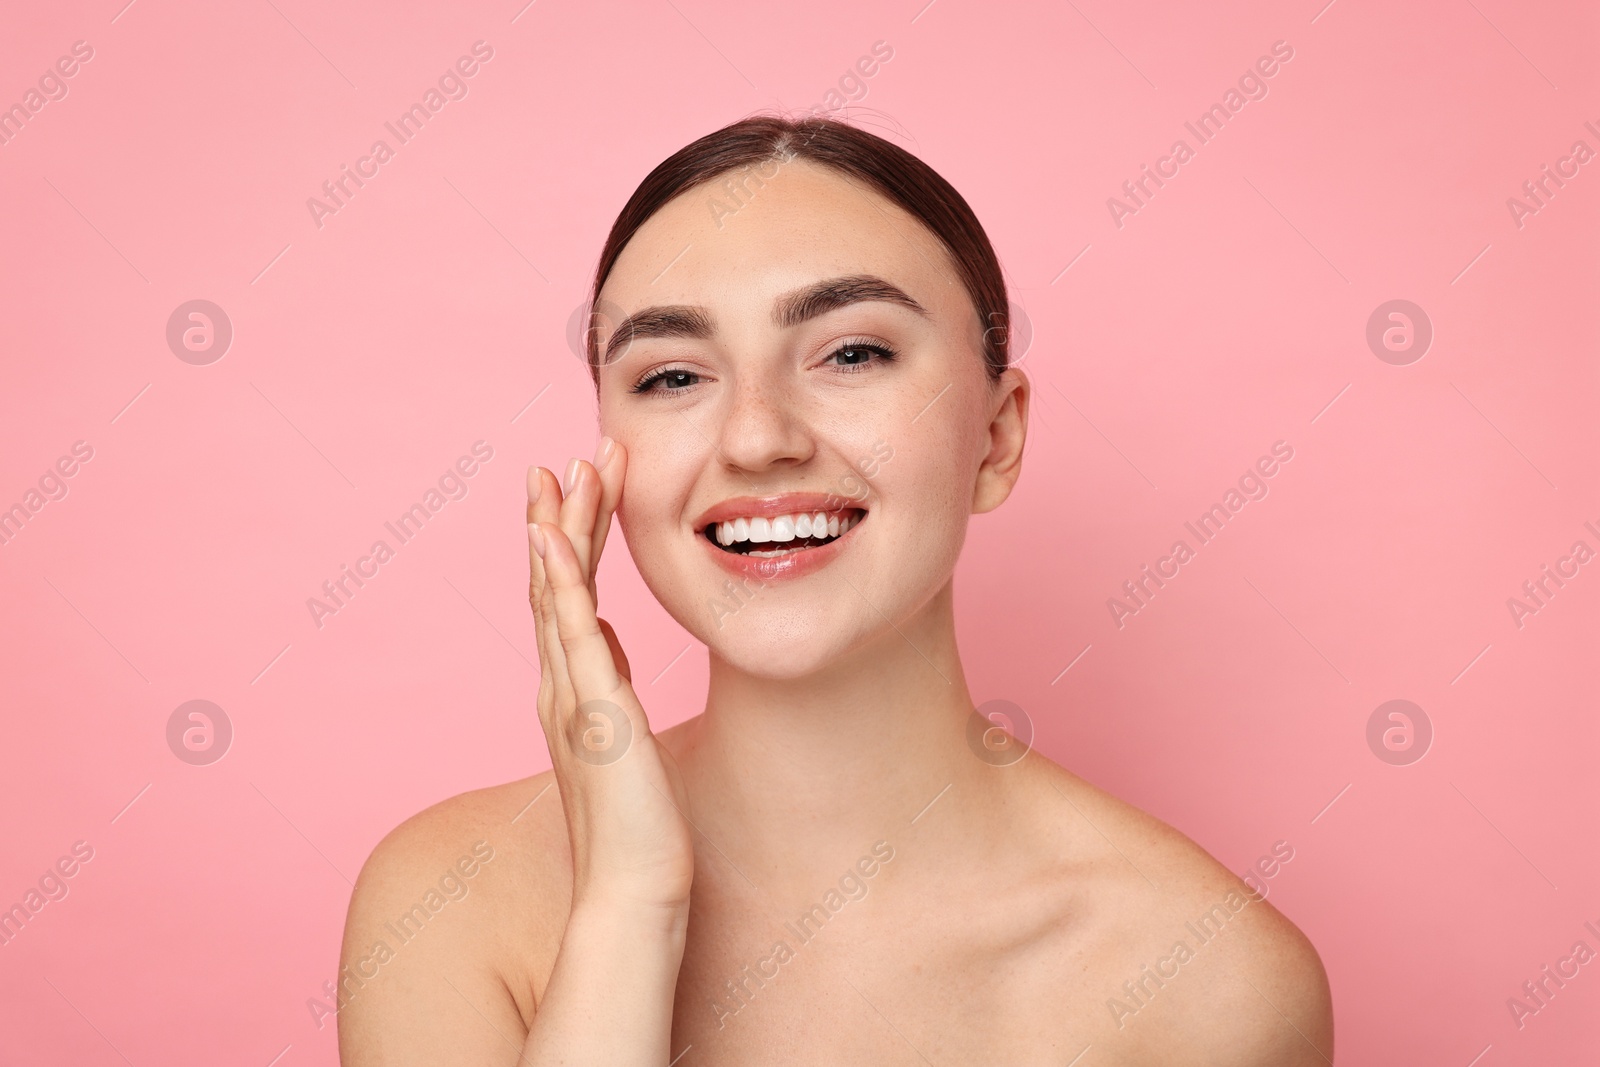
{"points": [[764, 426]]}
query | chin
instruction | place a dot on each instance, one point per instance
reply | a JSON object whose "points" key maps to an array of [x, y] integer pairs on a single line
{"points": [[764, 646]]}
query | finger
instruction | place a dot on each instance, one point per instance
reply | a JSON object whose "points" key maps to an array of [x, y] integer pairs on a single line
{"points": [[535, 488], [541, 483], [552, 657], [545, 702], [546, 508], [535, 564], [618, 657], [580, 498], [590, 666], [612, 465], [544, 504], [535, 583]]}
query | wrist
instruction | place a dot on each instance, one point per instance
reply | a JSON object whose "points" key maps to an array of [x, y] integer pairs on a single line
{"points": [[608, 914], [610, 995]]}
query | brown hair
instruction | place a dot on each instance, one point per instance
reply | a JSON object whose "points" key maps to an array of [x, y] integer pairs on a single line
{"points": [[889, 169]]}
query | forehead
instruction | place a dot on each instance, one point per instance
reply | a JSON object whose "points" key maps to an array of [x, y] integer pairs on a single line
{"points": [[735, 243]]}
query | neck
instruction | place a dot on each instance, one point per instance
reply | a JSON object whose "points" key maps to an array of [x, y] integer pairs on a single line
{"points": [[800, 771]]}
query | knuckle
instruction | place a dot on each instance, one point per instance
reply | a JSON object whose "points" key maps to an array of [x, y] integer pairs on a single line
{"points": [[573, 637]]}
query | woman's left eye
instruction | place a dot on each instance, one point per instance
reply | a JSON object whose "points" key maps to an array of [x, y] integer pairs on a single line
{"points": [[675, 380], [856, 355]]}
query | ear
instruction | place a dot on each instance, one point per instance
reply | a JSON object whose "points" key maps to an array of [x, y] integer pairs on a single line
{"points": [[1007, 431]]}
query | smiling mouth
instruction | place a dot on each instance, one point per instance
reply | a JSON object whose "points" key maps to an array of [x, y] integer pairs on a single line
{"points": [[782, 535]]}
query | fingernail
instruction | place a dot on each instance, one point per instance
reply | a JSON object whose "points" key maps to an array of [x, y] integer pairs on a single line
{"points": [[572, 476], [537, 538], [603, 451], [535, 484]]}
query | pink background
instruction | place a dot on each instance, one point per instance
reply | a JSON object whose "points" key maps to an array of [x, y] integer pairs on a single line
{"points": [[368, 354]]}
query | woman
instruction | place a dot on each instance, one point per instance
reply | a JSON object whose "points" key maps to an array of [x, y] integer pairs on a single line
{"points": [[836, 862]]}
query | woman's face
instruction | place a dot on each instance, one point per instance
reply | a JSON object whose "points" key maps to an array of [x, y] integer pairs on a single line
{"points": [[743, 398]]}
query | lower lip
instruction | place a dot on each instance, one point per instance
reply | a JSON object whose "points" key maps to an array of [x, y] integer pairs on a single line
{"points": [[778, 568]]}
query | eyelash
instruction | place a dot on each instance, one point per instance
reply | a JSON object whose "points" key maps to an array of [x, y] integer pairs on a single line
{"points": [[885, 353]]}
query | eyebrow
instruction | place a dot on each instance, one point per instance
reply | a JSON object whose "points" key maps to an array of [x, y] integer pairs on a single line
{"points": [[788, 310]]}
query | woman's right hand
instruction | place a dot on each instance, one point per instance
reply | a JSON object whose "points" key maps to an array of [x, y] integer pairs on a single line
{"points": [[623, 798]]}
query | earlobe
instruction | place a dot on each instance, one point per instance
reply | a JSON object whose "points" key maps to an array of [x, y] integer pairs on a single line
{"points": [[1007, 434]]}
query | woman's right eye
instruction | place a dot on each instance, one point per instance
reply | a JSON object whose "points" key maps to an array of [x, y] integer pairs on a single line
{"points": [[677, 380]]}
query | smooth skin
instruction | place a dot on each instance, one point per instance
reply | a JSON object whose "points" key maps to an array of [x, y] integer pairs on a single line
{"points": [[625, 905]]}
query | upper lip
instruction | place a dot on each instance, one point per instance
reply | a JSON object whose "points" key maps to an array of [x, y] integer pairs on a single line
{"points": [[750, 507]]}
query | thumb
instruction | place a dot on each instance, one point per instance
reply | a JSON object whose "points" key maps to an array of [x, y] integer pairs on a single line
{"points": [[669, 765], [619, 657]]}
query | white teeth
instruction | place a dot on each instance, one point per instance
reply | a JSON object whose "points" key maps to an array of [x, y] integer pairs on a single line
{"points": [[781, 528]]}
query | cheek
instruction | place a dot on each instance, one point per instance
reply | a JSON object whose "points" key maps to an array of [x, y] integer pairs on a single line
{"points": [[926, 493], [938, 531], [650, 513], [935, 463], [640, 512], [652, 547], [930, 482]]}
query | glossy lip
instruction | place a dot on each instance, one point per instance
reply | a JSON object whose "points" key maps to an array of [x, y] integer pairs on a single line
{"points": [[776, 568]]}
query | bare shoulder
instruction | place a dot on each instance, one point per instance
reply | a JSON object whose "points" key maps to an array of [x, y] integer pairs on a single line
{"points": [[1191, 963], [453, 923]]}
